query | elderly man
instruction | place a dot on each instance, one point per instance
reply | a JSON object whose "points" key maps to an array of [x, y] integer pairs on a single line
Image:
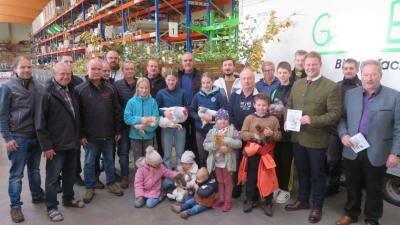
{"points": [[229, 82], [319, 100], [57, 129], [190, 80], [101, 119], [374, 111], [269, 82], [239, 107], [157, 82], [107, 72], [112, 57], [126, 90], [350, 81], [75, 81], [17, 104]]}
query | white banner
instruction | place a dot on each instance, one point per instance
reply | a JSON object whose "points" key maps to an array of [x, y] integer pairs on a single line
{"points": [[337, 29]]}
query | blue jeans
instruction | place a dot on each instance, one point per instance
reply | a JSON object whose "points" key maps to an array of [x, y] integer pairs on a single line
{"points": [[92, 150], [167, 136], [310, 164], [28, 153], [192, 207], [150, 202], [124, 145]]}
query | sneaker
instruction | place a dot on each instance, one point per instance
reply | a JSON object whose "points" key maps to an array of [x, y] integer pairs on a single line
{"points": [[124, 183], [237, 190], [249, 205], [276, 193], [88, 196], [184, 214], [331, 190], [118, 178], [283, 196], [175, 208], [40, 199], [98, 184], [79, 181], [267, 209], [59, 188], [115, 190], [217, 203], [227, 206], [16, 215]]}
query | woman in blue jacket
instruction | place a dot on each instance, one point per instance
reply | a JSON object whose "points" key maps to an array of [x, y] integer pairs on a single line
{"points": [[169, 97], [210, 97], [138, 112]]}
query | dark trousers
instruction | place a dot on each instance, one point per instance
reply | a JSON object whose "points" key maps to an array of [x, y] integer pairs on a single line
{"points": [[160, 149], [190, 143], [239, 156], [335, 165], [310, 164], [78, 164], [65, 162], [203, 154], [358, 171], [283, 156], [252, 192]]}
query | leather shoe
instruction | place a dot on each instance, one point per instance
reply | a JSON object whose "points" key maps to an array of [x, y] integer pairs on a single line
{"points": [[297, 206], [315, 216], [345, 220]]}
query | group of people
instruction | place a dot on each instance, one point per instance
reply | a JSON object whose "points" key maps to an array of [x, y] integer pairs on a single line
{"points": [[239, 138]]}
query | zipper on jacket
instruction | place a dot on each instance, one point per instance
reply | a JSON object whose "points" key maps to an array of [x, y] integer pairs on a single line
{"points": [[142, 110]]}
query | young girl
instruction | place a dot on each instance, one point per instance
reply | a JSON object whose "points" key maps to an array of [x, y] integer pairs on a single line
{"points": [[211, 98], [261, 131], [168, 97], [148, 179], [223, 163], [137, 111]]}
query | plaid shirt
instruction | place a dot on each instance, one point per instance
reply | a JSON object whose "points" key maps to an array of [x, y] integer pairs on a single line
{"points": [[65, 94]]}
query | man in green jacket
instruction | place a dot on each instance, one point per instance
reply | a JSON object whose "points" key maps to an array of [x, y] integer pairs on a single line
{"points": [[320, 101]]}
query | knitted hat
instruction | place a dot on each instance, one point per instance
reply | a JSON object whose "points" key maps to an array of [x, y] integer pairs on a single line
{"points": [[188, 157], [152, 156], [222, 114]]}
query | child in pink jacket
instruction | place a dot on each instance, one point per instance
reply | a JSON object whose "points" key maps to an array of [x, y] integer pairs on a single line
{"points": [[148, 179]]}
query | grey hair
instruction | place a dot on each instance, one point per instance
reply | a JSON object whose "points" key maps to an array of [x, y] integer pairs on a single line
{"points": [[268, 63], [127, 62], [60, 64], [247, 69], [372, 62]]}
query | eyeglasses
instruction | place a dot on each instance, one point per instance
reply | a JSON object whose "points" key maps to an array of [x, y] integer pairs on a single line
{"points": [[268, 71]]}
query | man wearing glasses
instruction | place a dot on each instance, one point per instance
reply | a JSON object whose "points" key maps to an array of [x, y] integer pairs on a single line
{"points": [[269, 82]]}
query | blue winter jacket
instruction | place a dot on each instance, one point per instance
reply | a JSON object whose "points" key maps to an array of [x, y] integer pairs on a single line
{"points": [[168, 98], [136, 108], [213, 100], [263, 87]]}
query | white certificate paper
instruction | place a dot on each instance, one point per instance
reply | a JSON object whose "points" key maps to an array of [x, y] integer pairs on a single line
{"points": [[360, 143], [293, 120]]}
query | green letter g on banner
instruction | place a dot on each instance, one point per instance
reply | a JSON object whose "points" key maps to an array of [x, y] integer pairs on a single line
{"points": [[327, 31]]}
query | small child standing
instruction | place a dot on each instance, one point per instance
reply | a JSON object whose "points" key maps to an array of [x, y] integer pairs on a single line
{"points": [[148, 179], [205, 189], [261, 131], [222, 162]]}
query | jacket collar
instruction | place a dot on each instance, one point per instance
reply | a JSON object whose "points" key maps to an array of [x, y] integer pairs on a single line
{"points": [[239, 91], [354, 81]]}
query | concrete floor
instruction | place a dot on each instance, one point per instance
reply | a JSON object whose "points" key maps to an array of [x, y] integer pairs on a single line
{"points": [[109, 209]]}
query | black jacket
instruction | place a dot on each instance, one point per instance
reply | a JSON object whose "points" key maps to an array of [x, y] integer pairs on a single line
{"points": [[76, 80], [345, 85], [100, 112], [125, 91], [294, 78], [196, 81], [283, 93], [57, 127], [156, 84]]}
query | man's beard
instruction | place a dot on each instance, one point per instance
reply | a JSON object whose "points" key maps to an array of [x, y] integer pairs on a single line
{"points": [[116, 67], [229, 74]]}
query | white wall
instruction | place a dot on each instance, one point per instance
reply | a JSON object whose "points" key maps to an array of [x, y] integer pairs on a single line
{"points": [[19, 32]]}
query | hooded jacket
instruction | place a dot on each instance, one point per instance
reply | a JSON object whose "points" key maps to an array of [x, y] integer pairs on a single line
{"points": [[213, 100], [136, 108], [206, 193], [240, 107], [148, 185], [220, 82], [283, 93], [294, 78], [57, 126], [100, 111], [156, 84], [232, 140], [17, 108]]}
